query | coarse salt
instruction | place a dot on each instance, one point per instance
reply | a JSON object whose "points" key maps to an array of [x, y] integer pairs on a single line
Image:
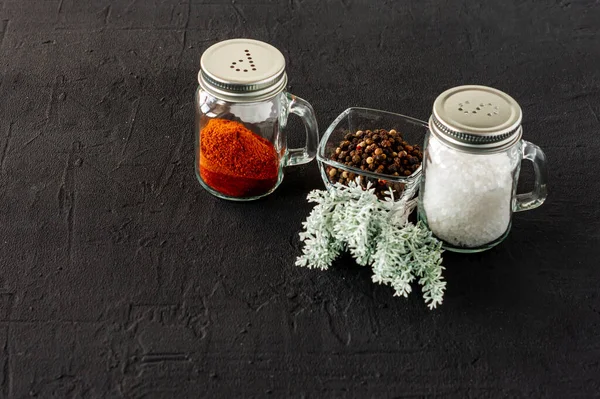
{"points": [[468, 197]]}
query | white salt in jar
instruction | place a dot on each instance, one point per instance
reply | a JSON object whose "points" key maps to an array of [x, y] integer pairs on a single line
{"points": [[471, 165]]}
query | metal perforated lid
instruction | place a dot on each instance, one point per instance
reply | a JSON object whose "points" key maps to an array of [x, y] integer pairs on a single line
{"points": [[242, 70], [476, 118]]}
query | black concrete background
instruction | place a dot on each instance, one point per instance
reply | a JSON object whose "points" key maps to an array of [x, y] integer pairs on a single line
{"points": [[121, 277]]}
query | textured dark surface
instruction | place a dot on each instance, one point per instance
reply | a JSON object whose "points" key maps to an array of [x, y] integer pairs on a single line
{"points": [[121, 277]]}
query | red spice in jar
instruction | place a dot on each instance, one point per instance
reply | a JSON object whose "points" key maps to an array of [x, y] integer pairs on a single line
{"points": [[235, 161]]}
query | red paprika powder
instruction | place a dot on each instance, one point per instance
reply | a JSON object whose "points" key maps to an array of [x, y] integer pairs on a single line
{"points": [[235, 161]]}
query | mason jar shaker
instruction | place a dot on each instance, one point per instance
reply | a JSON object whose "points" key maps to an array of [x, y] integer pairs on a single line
{"points": [[241, 113], [471, 165]]}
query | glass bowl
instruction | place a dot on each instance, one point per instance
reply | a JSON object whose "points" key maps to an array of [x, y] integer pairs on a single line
{"points": [[353, 119]]}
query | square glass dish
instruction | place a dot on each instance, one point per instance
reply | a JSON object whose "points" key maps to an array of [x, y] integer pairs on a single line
{"points": [[412, 131]]}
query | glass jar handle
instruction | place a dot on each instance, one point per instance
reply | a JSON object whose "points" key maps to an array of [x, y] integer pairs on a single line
{"points": [[298, 106], [535, 198]]}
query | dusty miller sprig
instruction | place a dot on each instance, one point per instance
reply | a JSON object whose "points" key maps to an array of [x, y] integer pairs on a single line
{"points": [[377, 234]]}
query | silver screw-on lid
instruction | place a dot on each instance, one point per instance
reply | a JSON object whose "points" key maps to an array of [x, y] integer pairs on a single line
{"points": [[242, 70], [476, 118]]}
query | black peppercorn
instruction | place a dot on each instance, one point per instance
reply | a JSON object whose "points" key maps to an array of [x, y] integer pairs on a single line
{"points": [[380, 151]]}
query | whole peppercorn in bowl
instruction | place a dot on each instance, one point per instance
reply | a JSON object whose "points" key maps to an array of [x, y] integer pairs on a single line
{"points": [[376, 147]]}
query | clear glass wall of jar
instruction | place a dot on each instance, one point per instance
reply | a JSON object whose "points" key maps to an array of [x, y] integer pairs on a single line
{"points": [[471, 167]]}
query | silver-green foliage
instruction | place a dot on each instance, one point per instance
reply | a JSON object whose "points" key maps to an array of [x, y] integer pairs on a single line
{"points": [[377, 234]]}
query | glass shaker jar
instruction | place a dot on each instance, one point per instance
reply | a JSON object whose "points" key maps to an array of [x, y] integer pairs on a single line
{"points": [[471, 165], [241, 113]]}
